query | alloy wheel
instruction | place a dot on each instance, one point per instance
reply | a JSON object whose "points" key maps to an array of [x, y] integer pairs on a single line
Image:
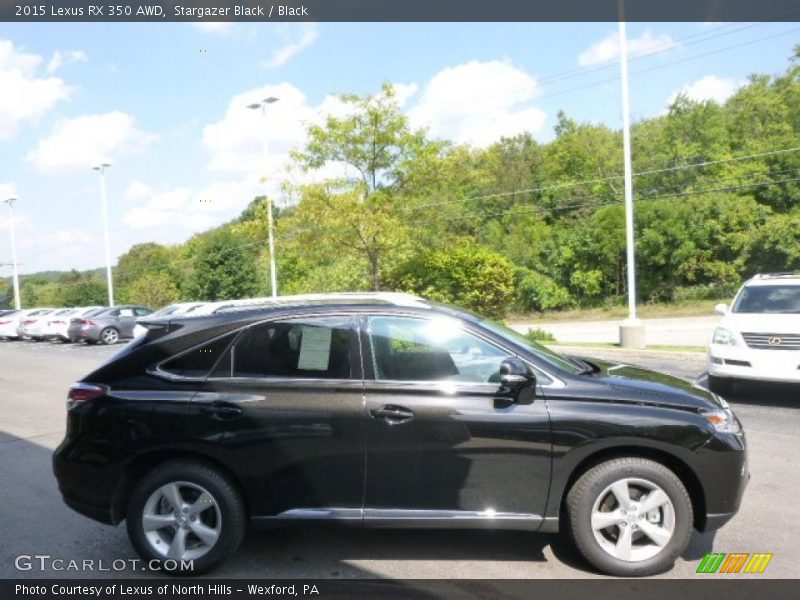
{"points": [[110, 336], [633, 519], [181, 520]]}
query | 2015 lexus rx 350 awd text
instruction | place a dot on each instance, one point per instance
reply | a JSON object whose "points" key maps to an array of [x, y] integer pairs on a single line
{"points": [[384, 410]]}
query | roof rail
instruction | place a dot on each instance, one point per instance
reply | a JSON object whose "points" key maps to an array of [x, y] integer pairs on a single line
{"points": [[777, 274]]}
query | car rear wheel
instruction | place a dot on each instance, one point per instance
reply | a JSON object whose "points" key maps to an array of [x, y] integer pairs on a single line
{"points": [[186, 511], [720, 385], [109, 335], [630, 517]]}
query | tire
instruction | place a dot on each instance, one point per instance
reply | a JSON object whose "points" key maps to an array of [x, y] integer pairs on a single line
{"points": [[109, 336], [720, 385], [221, 512], [591, 499]]}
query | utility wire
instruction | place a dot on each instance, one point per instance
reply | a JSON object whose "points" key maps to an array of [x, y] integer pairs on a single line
{"points": [[707, 163]]}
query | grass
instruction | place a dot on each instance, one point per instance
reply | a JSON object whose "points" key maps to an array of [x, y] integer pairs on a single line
{"points": [[662, 347], [695, 308]]}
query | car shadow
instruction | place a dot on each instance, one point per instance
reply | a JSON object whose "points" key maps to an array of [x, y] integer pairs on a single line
{"points": [[760, 393]]}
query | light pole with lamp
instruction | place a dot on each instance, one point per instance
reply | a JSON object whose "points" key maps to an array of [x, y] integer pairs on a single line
{"points": [[10, 202], [101, 168], [273, 275]]}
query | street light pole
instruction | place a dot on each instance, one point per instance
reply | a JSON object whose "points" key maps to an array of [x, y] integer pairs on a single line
{"points": [[10, 202], [101, 169], [631, 333], [273, 270]]}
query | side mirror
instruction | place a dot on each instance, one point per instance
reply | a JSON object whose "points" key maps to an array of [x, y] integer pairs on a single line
{"points": [[517, 378], [721, 309]]}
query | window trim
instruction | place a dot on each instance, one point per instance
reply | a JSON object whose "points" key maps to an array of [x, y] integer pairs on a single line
{"points": [[157, 369], [366, 343]]}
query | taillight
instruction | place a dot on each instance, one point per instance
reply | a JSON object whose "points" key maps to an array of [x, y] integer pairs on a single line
{"points": [[84, 392], [4, 322], [29, 321], [87, 322]]}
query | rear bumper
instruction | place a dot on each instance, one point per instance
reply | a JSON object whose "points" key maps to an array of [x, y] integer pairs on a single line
{"points": [[84, 488]]}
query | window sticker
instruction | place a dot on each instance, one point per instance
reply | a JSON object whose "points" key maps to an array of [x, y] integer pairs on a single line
{"points": [[315, 349]]}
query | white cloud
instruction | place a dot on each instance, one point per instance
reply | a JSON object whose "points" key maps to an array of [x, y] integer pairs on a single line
{"points": [[61, 58], [25, 95], [192, 211], [83, 141], [7, 190], [608, 48], [136, 190], [283, 54], [213, 26], [478, 102], [709, 87]]}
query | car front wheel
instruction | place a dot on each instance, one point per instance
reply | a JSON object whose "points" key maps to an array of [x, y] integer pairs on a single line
{"points": [[630, 516], [186, 516]]}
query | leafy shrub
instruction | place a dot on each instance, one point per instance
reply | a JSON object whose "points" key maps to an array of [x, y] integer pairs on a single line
{"points": [[539, 292], [466, 274], [540, 335]]}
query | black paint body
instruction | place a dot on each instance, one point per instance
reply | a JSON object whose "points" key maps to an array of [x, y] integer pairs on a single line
{"points": [[447, 454]]}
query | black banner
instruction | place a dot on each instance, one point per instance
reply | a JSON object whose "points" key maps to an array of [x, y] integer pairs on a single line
{"points": [[737, 588], [398, 10]]}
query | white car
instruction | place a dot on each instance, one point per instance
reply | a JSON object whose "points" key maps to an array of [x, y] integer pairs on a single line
{"points": [[10, 323], [179, 308], [32, 326], [57, 324], [758, 337]]}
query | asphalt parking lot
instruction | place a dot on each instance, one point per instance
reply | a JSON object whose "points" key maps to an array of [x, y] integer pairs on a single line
{"points": [[34, 378]]}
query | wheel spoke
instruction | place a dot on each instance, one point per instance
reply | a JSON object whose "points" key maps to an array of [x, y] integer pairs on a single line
{"points": [[659, 535], [204, 501], [173, 496], [154, 522], [177, 548], [622, 494], [207, 535], [602, 520], [653, 500], [624, 543]]}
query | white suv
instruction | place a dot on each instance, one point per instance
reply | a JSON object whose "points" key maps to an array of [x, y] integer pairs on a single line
{"points": [[759, 336]]}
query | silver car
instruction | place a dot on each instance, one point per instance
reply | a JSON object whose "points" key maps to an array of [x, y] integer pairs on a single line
{"points": [[107, 326]]}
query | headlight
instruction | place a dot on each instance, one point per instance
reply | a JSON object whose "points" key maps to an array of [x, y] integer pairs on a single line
{"points": [[723, 420], [723, 337]]}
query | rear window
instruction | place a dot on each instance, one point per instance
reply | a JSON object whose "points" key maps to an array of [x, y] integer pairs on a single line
{"points": [[198, 361]]}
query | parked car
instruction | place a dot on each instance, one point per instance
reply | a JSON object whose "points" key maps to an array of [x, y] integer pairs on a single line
{"points": [[108, 326], [9, 323], [179, 308], [28, 326], [388, 411], [34, 327], [57, 324], [758, 337]]}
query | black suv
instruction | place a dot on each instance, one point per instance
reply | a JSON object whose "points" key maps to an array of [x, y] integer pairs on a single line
{"points": [[389, 411]]}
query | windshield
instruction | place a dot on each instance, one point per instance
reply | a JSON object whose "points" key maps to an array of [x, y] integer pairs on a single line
{"points": [[768, 299], [167, 310], [538, 349]]}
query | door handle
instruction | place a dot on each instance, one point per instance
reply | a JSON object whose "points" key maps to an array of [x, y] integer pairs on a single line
{"points": [[392, 414], [221, 411]]}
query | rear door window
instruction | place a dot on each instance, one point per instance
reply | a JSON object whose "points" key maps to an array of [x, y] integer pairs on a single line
{"points": [[303, 348], [198, 361]]}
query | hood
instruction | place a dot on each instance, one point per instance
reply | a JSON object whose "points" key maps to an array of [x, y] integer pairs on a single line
{"points": [[652, 387], [762, 322]]}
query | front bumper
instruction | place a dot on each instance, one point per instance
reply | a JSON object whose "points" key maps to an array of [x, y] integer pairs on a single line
{"points": [[737, 362]]}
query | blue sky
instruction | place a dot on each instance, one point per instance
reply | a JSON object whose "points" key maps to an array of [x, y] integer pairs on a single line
{"points": [[166, 104]]}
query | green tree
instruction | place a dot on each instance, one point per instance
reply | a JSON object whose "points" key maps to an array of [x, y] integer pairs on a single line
{"points": [[466, 274], [223, 268], [154, 290]]}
